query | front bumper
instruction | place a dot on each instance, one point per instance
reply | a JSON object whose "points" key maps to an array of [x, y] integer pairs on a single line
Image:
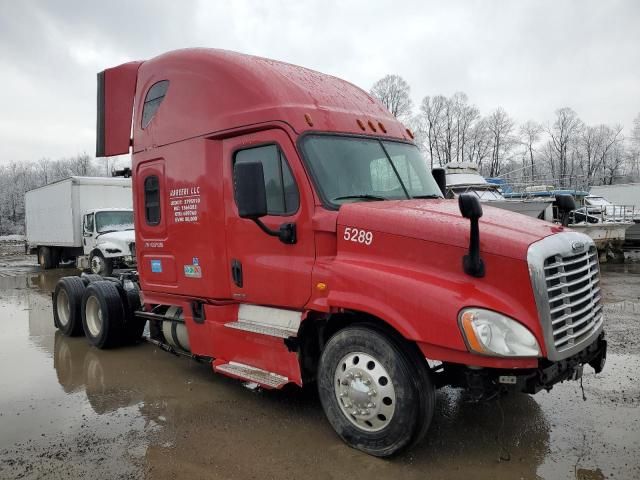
{"points": [[483, 382], [549, 373]]}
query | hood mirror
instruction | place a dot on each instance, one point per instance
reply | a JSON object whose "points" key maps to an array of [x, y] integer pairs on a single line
{"points": [[566, 204], [470, 208]]}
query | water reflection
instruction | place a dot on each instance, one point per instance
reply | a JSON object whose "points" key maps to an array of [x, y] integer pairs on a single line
{"points": [[195, 408]]}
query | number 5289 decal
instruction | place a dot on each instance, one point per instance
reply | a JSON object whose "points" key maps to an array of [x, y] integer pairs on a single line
{"points": [[358, 236]]}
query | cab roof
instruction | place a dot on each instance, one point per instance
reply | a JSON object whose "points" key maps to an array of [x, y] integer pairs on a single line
{"points": [[213, 91]]}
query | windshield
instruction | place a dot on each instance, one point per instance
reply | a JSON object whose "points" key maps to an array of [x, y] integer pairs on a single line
{"points": [[351, 169], [115, 220]]}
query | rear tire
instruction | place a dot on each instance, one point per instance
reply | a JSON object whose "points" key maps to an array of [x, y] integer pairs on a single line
{"points": [[67, 303], [45, 258], [88, 278], [100, 265], [103, 315], [134, 325], [367, 386], [55, 257]]}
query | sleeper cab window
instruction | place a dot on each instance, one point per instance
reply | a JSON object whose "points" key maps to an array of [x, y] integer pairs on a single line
{"points": [[152, 101], [152, 200], [281, 188]]}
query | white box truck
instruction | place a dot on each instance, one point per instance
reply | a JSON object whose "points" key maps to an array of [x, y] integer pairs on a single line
{"points": [[85, 219]]}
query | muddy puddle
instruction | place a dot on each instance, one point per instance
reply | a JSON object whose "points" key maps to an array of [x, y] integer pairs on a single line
{"points": [[71, 411]]}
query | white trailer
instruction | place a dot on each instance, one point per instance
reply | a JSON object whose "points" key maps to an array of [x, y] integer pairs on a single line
{"points": [[86, 219]]}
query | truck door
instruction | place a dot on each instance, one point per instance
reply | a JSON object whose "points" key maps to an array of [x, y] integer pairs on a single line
{"points": [[88, 233], [262, 269]]}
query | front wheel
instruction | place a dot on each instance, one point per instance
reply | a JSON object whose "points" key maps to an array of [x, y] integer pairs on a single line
{"points": [[367, 387], [100, 265]]}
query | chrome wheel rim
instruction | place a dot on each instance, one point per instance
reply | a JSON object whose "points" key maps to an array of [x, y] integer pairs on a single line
{"points": [[93, 314], [96, 265], [62, 305], [364, 391]]}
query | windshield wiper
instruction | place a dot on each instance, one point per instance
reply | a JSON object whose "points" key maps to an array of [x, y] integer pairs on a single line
{"points": [[364, 196], [427, 196]]}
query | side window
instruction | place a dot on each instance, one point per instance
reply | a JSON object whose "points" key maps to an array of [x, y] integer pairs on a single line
{"points": [[88, 223], [152, 200], [282, 192], [152, 101]]}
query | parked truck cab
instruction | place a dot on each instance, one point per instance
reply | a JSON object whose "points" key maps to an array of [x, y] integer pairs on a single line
{"points": [[289, 231], [108, 240]]}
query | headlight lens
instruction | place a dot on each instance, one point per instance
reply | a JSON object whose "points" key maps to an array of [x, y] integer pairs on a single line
{"points": [[491, 333]]}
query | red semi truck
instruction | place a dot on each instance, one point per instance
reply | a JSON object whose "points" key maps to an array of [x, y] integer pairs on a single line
{"points": [[289, 232]]}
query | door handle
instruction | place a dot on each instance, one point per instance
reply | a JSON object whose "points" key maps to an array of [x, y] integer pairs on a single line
{"points": [[236, 272]]}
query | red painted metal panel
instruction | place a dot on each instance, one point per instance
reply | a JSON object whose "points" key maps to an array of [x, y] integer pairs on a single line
{"points": [[216, 90], [119, 91]]}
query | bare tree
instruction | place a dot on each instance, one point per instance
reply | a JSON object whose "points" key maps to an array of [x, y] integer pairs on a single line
{"points": [[395, 94], [466, 115], [530, 133], [500, 126], [598, 144], [431, 113], [479, 143], [563, 133]]}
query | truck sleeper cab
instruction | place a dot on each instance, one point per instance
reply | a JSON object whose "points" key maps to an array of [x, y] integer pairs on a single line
{"points": [[288, 231]]}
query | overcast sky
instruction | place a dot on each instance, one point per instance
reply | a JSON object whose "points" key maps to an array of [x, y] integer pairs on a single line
{"points": [[530, 57]]}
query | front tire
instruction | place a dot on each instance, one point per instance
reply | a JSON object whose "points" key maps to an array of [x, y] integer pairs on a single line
{"points": [[367, 387], [103, 315], [100, 265]]}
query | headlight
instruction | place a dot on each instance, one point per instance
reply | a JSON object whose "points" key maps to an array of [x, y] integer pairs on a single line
{"points": [[491, 333]]}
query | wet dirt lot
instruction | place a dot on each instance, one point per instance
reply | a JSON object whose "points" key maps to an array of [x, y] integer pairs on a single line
{"points": [[71, 411]]}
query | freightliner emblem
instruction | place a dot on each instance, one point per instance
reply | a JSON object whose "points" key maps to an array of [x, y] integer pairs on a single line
{"points": [[577, 246]]}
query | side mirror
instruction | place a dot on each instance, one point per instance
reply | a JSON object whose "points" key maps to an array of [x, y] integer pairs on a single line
{"points": [[470, 208], [440, 176], [251, 197]]}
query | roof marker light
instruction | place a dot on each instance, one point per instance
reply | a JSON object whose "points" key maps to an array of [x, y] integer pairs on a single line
{"points": [[307, 117], [360, 124], [410, 133], [381, 125], [372, 126]]}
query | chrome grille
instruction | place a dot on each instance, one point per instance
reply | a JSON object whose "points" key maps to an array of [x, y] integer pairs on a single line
{"points": [[565, 277], [573, 290]]}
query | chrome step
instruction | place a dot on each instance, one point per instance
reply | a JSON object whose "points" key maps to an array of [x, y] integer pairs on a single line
{"points": [[262, 329], [252, 374]]}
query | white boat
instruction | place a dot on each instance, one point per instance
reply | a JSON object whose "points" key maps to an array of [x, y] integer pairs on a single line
{"points": [[627, 194], [463, 177]]}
